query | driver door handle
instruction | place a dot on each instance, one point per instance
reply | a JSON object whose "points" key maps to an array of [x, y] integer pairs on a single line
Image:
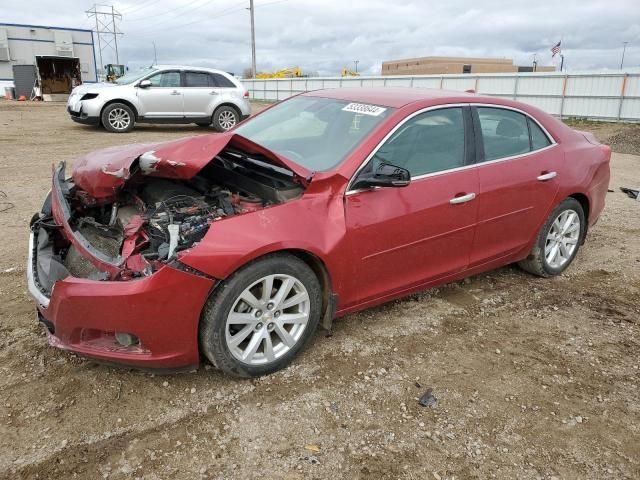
{"points": [[176, 92], [462, 199], [547, 176]]}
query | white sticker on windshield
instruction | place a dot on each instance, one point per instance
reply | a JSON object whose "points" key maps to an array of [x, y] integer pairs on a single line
{"points": [[364, 109]]}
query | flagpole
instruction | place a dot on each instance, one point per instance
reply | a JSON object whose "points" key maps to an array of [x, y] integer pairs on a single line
{"points": [[561, 61]]}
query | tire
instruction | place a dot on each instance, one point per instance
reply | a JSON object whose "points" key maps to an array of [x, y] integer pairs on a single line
{"points": [[225, 118], [203, 125], [230, 327], [118, 118], [539, 261]]}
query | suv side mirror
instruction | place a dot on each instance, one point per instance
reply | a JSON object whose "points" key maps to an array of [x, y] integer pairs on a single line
{"points": [[386, 175], [145, 84]]}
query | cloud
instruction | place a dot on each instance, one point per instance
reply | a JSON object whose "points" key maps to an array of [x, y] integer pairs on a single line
{"points": [[323, 36]]}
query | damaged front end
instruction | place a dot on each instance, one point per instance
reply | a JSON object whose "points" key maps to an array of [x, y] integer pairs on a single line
{"points": [[129, 221], [105, 250]]}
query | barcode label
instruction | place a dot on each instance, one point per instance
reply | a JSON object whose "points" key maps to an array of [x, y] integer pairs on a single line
{"points": [[364, 109]]}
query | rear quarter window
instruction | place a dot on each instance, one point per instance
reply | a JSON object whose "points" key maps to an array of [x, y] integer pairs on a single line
{"points": [[539, 139], [222, 81]]}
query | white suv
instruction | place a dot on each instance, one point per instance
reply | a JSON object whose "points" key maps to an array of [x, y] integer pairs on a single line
{"points": [[162, 94]]}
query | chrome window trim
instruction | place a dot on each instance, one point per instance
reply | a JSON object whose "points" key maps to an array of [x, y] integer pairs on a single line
{"points": [[348, 190]]}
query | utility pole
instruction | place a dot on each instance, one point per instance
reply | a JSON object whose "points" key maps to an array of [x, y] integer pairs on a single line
{"points": [[624, 48], [535, 62], [356, 62], [106, 30], [253, 41], [155, 55]]}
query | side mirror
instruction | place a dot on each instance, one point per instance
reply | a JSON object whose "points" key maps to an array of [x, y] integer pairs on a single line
{"points": [[145, 84], [386, 175]]}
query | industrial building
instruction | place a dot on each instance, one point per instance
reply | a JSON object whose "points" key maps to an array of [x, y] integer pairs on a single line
{"points": [[453, 65], [65, 56]]}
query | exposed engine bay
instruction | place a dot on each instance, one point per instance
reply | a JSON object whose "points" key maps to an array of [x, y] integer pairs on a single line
{"points": [[150, 219]]}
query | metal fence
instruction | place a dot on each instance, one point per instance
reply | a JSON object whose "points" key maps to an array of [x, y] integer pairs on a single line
{"points": [[610, 96]]}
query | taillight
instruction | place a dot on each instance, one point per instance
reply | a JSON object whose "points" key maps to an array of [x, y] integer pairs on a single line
{"points": [[246, 94]]}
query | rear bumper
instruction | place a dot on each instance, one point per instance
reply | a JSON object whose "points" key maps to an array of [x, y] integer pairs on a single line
{"points": [[83, 118]]}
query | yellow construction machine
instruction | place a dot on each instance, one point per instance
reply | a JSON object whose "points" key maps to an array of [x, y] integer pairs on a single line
{"points": [[114, 71], [293, 72], [346, 72]]}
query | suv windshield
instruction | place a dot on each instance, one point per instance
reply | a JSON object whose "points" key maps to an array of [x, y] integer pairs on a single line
{"points": [[132, 77], [317, 133]]}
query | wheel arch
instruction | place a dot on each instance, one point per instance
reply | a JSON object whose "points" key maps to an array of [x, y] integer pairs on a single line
{"points": [[120, 100], [583, 200], [319, 268], [227, 104]]}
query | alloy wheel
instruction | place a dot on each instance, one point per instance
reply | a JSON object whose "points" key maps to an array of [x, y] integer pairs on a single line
{"points": [[562, 239], [119, 118], [268, 319], [227, 119]]}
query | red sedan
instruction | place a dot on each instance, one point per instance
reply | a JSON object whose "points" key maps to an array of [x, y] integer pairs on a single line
{"points": [[236, 246]]}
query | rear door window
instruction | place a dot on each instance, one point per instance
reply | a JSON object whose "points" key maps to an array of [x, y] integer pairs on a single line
{"points": [[504, 133], [197, 79]]}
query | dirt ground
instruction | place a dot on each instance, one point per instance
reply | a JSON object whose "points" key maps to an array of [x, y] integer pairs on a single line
{"points": [[534, 378]]}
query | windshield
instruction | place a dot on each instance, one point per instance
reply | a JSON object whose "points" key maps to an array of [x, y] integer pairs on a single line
{"points": [[133, 76], [317, 133]]}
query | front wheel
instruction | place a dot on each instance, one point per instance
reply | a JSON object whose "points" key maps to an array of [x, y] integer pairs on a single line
{"points": [[118, 118], [558, 241], [225, 118], [260, 318]]}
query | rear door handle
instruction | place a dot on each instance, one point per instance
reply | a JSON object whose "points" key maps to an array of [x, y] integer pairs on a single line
{"points": [[213, 92], [463, 199], [176, 92], [547, 176]]}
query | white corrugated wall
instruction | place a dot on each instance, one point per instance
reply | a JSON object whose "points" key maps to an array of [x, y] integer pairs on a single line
{"points": [[611, 96]]}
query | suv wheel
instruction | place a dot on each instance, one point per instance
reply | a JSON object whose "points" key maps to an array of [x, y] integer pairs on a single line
{"points": [[225, 118], [118, 118], [261, 317]]}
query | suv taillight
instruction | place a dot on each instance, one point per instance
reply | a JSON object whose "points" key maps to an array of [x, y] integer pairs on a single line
{"points": [[246, 94]]}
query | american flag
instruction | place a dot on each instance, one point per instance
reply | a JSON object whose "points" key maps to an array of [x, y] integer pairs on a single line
{"points": [[555, 49]]}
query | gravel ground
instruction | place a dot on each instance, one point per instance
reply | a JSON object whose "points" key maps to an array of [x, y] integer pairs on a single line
{"points": [[534, 378]]}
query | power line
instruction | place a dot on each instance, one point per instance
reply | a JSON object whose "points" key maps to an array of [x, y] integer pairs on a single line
{"points": [[137, 7], [147, 17], [218, 14]]}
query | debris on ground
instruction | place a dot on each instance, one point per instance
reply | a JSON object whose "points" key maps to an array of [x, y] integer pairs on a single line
{"points": [[631, 192], [428, 399]]}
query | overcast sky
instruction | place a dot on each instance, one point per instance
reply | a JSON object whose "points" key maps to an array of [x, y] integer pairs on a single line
{"points": [[323, 36]]}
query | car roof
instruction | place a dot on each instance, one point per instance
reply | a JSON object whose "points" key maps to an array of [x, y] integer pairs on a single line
{"points": [[395, 97], [189, 67]]}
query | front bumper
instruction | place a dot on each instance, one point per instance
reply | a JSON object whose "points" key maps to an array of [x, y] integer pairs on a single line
{"points": [[84, 118], [162, 310]]}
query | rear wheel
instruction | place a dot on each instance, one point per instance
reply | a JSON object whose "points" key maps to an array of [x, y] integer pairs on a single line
{"points": [[558, 241], [260, 318], [225, 118], [118, 118]]}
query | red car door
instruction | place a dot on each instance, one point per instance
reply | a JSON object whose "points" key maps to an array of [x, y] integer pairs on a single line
{"points": [[517, 169], [400, 238]]}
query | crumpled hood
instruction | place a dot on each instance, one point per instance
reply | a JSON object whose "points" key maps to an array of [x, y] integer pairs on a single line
{"points": [[103, 172]]}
